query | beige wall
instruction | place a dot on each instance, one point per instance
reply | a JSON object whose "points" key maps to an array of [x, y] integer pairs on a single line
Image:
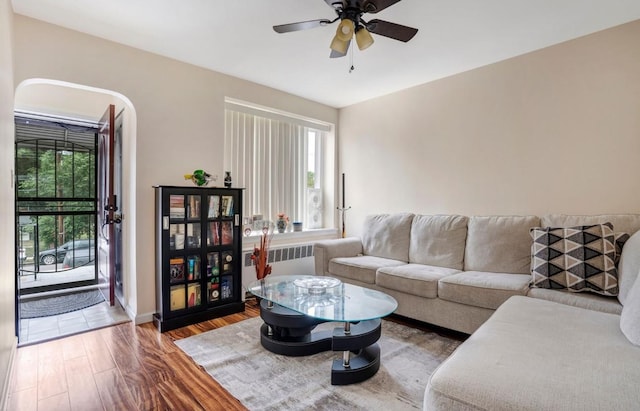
{"points": [[180, 118], [553, 131], [7, 238]]}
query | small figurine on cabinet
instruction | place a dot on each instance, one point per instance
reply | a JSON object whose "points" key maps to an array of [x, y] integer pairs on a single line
{"points": [[199, 177]]}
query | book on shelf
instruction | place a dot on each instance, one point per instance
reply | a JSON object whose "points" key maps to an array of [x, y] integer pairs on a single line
{"points": [[226, 287], [177, 298], [193, 268], [214, 207], [176, 269], [194, 206], [193, 235], [194, 295], [176, 236], [213, 264], [227, 206], [213, 233], [227, 232], [214, 290], [227, 259], [176, 206]]}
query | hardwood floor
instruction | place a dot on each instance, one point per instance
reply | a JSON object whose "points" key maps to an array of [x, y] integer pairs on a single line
{"points": [[127, 367], [124, 367]]}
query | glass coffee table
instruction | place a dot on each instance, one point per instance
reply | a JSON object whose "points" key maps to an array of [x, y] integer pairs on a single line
{"points": [[292, 307]]}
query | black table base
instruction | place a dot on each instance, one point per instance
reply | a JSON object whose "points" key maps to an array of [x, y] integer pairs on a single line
{"points": [[287, 332]]}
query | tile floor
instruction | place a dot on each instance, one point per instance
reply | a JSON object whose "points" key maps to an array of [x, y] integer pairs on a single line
{"points": [[41, 329]]}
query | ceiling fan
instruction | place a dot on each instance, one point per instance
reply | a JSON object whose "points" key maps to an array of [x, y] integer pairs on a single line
{"points": [[351, 23]]}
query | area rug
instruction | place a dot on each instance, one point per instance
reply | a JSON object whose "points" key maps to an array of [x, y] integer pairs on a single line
{"points": [[60, 304], [261, 380]]}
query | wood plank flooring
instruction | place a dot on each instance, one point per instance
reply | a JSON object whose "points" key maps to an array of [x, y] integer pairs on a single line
{"points": [[127, 367], [124, 367]]}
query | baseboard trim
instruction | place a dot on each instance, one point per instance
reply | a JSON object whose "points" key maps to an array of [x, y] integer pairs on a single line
{"points": [[142, 318], [4, 400]]}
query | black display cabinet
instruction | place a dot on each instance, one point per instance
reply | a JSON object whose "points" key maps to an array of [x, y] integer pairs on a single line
{"points": [[198, 254]]}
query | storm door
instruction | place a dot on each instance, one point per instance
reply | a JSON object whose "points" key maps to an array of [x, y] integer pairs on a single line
{"points": [[55, 203]]}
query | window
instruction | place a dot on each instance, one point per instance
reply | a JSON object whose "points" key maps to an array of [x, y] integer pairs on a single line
{"points": [[279, 160]]}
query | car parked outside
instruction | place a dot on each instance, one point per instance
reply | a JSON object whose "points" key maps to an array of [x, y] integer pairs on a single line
{"points": [[79, 257], [54, 255]]}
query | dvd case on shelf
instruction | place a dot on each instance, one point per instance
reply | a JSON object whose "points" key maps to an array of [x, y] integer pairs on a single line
{"points": [[213, 210], [193, 235], [227, 233], [176, 269], [176, 206], [226, 287], [177, 297], [213, 233], [227, 262], [193, 268], [214, 290], [227, 206], [194, 207], [176, 236], [213, 264], [194, 295]]}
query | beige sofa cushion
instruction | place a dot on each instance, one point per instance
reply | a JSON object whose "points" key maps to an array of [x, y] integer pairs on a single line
{"points": [[630, 319], [622, 223], [539, 355], [499, 244], [415, 279], [362, 268], [438, 240], [387, 236], [629, 266], [482, 289], [582, 300]]}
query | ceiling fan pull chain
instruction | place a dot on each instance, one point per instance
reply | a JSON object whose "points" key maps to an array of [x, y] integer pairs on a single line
{"points": [[351, 58]]}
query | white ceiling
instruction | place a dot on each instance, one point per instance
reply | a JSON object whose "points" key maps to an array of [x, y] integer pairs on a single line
{"points": [[235, 37]]}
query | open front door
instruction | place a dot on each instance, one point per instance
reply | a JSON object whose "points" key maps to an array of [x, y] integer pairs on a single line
{"points": [[107, 206]]}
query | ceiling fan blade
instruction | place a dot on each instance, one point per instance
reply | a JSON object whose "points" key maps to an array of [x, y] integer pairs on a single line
{"points": [[302, 25], [374, 6], [391, 30], [334, 54]]}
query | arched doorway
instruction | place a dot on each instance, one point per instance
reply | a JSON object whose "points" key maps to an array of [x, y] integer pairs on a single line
{"points": [[72, 102]]}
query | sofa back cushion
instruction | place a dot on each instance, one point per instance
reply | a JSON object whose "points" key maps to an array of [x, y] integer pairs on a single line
{"points": [[387, 235], [622, 223], [438, 240], [499, 244]]}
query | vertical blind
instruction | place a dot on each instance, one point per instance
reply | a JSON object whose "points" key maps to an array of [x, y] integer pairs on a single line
{"points": [[269, 158]]}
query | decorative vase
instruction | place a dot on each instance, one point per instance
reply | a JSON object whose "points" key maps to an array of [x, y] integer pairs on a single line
{"points": [[281, 224], [227, 179]]}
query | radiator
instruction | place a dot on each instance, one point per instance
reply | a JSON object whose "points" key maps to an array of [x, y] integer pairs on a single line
{"points": [[279, 254]]}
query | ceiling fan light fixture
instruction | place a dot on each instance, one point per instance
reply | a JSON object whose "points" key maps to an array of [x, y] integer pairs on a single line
{"points": [[345, 30], [339, 46], [363, 38]]}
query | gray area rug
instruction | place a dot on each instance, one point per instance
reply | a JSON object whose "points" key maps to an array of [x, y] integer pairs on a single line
{"points": [[60, 304], [261, 380]]}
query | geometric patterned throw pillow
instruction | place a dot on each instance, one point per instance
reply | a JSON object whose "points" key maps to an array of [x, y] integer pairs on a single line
{"points": [[575, 258]]}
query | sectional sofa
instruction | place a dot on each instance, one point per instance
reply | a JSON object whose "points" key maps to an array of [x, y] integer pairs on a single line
{"points": [[542, 338]]}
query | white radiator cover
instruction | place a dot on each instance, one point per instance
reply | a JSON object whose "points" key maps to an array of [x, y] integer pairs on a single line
{"points": [[286, 260]]}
